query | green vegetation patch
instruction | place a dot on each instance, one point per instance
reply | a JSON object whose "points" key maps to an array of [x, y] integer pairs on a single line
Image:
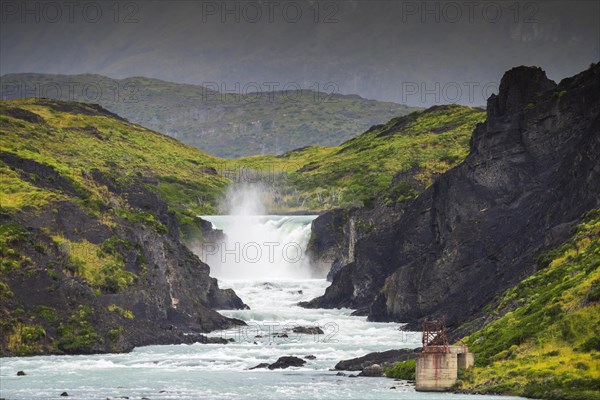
{"points": [[25, 339], [143, 217], [11, 259], [77, 335], [121, 311], [98, 265], [405, 370]]}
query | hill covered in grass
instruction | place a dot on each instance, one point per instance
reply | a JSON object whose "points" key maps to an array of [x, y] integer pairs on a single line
{"points": [[94, 212], [543, 339], [392, 162], [78, 141], [241, 121]]}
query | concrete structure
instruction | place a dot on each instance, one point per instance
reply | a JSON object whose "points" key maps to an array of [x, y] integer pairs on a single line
{"points": [[466, 360], [437, 367]]}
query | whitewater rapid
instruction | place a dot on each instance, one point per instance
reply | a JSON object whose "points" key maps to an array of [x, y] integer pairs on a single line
{"points": [[214, 371], [217, 371]]}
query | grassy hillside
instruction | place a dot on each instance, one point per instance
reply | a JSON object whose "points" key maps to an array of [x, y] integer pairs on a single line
{"points": [[311, 179], [232, 125], [88, 200], [544, 341], [55, 152], [74, 140], [413, 148]]}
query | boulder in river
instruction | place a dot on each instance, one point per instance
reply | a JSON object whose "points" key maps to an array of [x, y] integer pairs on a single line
{"points": [[384, 358], [261, 365], [287, 361], [309, 330], [372, 370]]}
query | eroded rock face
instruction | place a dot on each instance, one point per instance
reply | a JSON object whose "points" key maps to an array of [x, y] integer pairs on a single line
{"points": [[329, 241], [335, 234], [533, 169]]}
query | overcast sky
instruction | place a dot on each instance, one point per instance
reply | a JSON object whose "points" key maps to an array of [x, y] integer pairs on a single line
{"points": [[413, 52]]}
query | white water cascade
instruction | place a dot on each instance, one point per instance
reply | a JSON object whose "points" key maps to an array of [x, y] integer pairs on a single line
{"points": [[257, 246]]}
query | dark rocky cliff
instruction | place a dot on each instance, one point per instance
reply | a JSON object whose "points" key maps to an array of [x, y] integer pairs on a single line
{"points": [[172, 292], [336, 232], [533, 169], [99, 266]]}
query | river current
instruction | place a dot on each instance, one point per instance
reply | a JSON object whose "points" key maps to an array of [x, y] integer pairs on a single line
{"points": [[271, 288]]}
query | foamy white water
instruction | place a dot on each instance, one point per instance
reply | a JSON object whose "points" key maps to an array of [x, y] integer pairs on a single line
{"points": [[259, 247], [211, 371]]}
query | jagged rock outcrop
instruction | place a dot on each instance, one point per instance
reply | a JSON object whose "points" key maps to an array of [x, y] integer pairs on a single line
{"points": [[329, 246], [335, 232], [533, 169]]}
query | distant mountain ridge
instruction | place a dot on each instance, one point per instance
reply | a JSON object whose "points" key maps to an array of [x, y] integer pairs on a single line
{"points": [[231, 121]]}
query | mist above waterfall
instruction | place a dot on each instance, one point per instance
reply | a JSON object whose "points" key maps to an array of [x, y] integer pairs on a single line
{"points": [[245, 200], [256, 245]]}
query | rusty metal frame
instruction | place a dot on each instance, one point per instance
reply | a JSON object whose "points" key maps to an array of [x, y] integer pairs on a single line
{"points": [[435, 336]]}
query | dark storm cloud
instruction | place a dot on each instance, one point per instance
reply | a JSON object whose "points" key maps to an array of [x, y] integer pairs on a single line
{"points": [[414, 52]]}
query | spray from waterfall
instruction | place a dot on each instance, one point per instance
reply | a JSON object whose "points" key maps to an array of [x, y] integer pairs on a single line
{"points": [[255, 245], [245, 200]]}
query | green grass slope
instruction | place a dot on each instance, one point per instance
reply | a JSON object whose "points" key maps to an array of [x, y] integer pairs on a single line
{"points": [[78, 183], [414, 148], [231, 125], [75, 139], [544, 341]]}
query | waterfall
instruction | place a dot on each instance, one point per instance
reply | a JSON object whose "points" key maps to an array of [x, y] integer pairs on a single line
{"points": [[257, 246]]}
